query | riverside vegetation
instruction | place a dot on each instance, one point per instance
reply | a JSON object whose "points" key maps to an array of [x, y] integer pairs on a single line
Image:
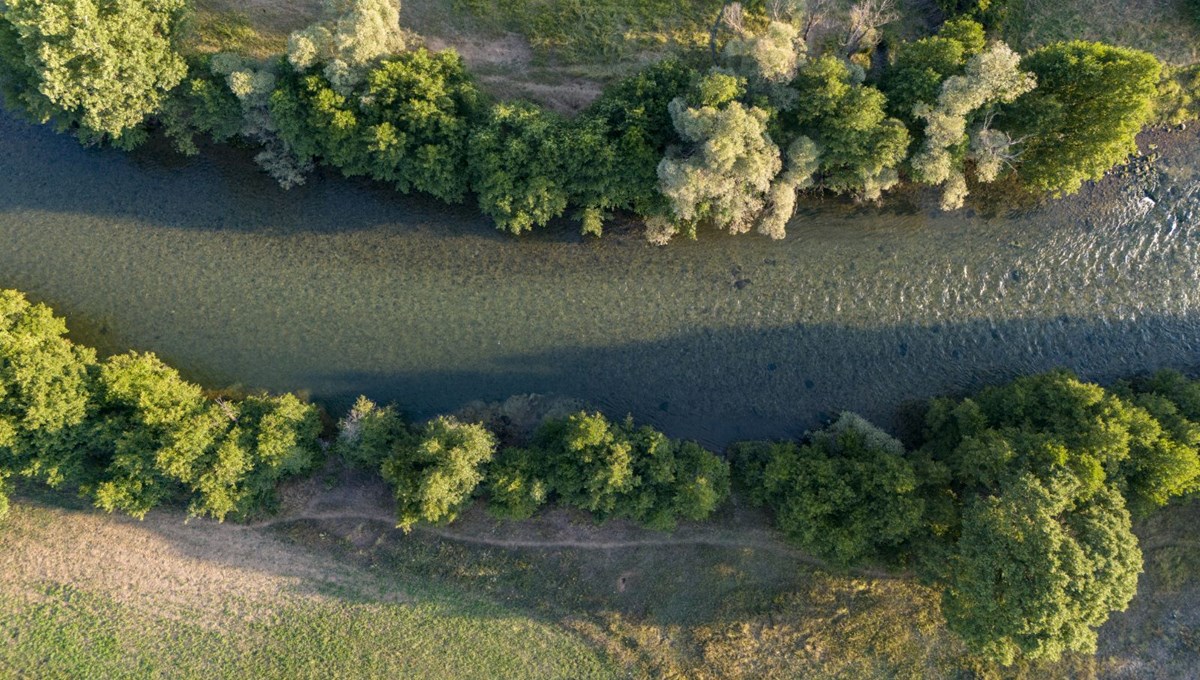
{"points": [[725, 138], [1015, 503]]}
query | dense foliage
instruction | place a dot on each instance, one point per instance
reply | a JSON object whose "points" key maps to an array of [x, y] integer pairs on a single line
{"points": [[728, 146], [407, 124], [435, 471], [98, 67], [610, 470], [849, 494], [130, 433], [1083, 117], [1014, 503]]}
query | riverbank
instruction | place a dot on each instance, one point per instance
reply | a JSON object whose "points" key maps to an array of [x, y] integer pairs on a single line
{"points": [[317, 590]]}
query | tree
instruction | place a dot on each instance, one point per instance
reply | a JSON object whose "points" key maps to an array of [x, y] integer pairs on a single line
{"points": [[860, 146], [435, 472], [590, 464], [45, 393], [352, 35], [406, 124], [368, 432], [202, 104], [516, 482], [151, 429], [723, 174], [99, 67], [253, 84], [269, 439], [849, 495], [1038, 568], [618, 141], [921, 66], [610, 470], [1164, 462], [1083, 118], [517, 166], [990, 77], [673, 479]]}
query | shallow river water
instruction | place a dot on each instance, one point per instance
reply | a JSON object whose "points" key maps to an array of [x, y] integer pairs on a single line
{"points": [[341, 287]]}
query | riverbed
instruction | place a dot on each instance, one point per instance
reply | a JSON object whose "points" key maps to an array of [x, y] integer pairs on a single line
{"points": [[344, 287]]}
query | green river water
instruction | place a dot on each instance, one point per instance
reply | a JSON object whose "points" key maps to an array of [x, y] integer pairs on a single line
{"points": [[340, 287]]}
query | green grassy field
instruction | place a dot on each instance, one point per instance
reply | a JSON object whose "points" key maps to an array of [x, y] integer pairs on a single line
{"points": [[331, 590]]}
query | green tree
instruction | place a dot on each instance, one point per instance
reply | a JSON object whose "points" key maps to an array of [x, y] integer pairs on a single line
{"points": [[151, 429], [45, 393], [99, 67], [516, 483], [618, 141], [590, 462], [202, 104], [848, 495], [1084, 116], [368, 433], [921, 66], [1164, 462], [518, 166], [1038, 568], [611, 470], [407, 124], [435, 472], [269, 439], [860, 146]]}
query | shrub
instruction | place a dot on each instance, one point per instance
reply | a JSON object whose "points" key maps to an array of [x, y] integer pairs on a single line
{"points": [[436, 470], [610, 470], [367, 434], [848, 495]]}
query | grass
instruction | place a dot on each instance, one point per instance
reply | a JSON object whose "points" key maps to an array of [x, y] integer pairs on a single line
{"points": [[1161, 27], [69, 616], [92, 595]]}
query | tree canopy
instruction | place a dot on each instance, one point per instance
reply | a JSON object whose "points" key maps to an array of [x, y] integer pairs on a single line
{"points": [[435, 471], [1083, 117], [99, 67]]}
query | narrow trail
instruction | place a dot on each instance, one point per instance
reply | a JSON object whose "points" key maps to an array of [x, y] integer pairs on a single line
{"points": [[765, 545]]}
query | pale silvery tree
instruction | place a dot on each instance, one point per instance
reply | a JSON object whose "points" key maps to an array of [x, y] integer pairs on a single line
{"points": [[991, 77], [252, 84], [725, 172], [353, 34], [802, 161]]}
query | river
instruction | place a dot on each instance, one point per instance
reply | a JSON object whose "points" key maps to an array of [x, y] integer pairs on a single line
{"points": [[342, 287]]}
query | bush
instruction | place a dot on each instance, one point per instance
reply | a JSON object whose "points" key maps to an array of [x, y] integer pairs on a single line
{"points": [[435, 471], [367, 434], [848, 495], [517, 165], [610, 470]]}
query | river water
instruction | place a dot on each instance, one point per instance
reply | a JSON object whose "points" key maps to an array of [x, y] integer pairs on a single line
{"points": [[341, 287]]}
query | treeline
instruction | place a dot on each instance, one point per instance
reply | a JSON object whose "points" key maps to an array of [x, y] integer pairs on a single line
{"points": [[1015, 502], [727, 140]]}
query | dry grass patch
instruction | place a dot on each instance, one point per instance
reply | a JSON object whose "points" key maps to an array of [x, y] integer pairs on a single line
{"points": [[1161, 27]]}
